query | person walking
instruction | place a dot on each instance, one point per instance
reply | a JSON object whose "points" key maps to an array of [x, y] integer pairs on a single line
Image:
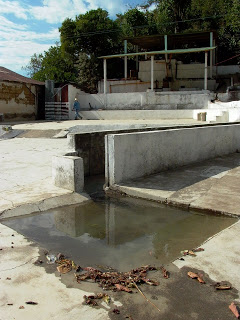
{"points": [[76, 108]]}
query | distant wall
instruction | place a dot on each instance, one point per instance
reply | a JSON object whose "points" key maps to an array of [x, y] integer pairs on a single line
{"points": [[146, 100], [134, 155], [137, 114], [121, 86], [17, 101]]}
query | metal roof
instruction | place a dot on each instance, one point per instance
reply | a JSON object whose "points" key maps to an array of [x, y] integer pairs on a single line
{"points": [[150, 53], [176, 40], [8, 75]]}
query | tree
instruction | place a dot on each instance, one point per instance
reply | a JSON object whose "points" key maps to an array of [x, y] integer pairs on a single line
{"points": [[224, 17], [170, 14], [84, 39], [88, 75], [93, 33], [34, 65], [51, 65]]}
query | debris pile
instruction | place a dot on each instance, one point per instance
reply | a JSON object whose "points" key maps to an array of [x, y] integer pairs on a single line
{"points": [[118, 281]]}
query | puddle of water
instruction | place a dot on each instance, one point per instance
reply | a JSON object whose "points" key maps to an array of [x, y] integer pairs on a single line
{"points": [[123, 233]]}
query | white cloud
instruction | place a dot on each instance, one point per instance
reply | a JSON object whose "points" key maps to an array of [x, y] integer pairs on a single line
{"points": [[13, 7], [55, 11], [14, 54], [23, 43], [22, 33]]}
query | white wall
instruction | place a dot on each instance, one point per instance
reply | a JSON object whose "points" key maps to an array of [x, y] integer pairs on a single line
{"points": [[145, 100], [137, 114], [134, 155], [121, 86]]}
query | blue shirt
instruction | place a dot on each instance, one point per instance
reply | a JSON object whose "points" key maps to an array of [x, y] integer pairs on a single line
{"points": [[76, 105]]}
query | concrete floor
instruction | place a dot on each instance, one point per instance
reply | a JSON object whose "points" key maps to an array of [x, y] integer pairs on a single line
{"points": [[211, 185], [25, 176]]}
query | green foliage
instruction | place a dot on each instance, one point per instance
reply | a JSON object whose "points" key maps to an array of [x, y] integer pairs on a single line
{"points": [[34, 65], [88, 75], [51, 65], [92, 33]]}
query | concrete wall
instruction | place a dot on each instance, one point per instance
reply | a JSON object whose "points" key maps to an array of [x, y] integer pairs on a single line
{"points": [[146, 100], [121, 86], [17, 101], [137, 114], [90, 145], [134, 155]]}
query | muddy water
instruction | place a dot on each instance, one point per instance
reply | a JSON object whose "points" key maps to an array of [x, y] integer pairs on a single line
{"points": [[119, 232]]}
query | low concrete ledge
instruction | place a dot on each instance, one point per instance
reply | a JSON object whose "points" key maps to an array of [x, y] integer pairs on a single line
{"points": [[44, 205], [68, 172], [134, 155]]}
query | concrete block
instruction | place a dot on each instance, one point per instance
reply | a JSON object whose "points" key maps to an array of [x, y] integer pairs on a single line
{"points": [[68, 173]]}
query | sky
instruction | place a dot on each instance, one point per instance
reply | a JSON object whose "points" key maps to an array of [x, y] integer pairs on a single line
{"points": [[31, 26]]}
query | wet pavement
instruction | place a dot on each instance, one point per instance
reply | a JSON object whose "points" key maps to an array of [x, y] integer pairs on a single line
{"points": [[122, 233]]}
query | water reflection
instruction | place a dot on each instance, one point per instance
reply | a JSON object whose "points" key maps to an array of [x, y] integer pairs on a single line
{"points": [[123, 233]]}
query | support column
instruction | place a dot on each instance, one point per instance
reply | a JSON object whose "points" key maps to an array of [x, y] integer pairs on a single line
{"points": [[105, 75], [152, 73], [125, 60], [211, 55], [137, 59], [205, 71], [166, 56]]}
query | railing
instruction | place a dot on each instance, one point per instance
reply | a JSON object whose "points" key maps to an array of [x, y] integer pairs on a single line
{"points": [[56, 110]]}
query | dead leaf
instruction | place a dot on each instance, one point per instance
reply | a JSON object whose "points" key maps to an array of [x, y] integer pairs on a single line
{"points": [[234, 310], [198, 250], [165, 273], [194, 275], [21, 307], [31, 302], [116, 311], [123, 288], [222, 286], [64, 268]]}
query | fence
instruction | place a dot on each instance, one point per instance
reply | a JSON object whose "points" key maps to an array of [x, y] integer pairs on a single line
{"points": [[56, 110]]}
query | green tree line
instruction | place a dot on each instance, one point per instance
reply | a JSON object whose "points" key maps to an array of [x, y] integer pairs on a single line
{"points": [[90, 35]]}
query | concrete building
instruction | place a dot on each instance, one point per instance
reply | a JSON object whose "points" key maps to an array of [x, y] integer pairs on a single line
{"points": [[21, 98], [171, 63]]}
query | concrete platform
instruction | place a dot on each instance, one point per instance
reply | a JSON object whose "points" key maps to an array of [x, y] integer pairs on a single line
{"points": [[212, 186], [26, 176]]}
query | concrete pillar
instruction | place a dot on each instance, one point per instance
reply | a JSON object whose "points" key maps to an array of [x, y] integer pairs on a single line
{"points": [[205, 71], [214, 53], [125, 60], [49, 91], [211, 55], [137, 59], [166, 56], [105, 75], [68, 173], [152, 72]]}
